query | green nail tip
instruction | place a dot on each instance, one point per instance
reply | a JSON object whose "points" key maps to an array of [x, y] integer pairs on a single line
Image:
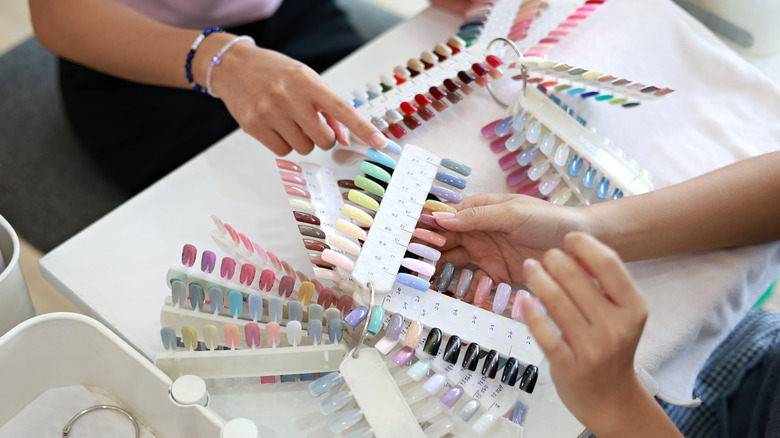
{"points": [[369, 186], [375, 171], [617, 101], [562, 87]]}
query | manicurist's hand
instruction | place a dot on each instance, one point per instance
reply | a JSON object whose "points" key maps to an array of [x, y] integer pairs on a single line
{"points": [[599, 314], [285, 104], [497, 232]]}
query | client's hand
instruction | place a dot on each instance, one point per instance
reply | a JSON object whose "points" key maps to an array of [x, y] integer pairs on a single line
{"points": [[285, 104], [497, 232]]}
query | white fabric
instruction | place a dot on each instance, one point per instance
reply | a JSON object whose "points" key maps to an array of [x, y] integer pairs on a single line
{"points": [[201, 14]]}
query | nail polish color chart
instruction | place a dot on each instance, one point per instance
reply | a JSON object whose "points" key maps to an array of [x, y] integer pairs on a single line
{"points": [[455, 317], [396, 219]]}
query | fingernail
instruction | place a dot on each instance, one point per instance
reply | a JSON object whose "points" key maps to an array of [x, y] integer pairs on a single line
{"points": [[530, 264], [378, 140], [345, 135], [443, 215]]}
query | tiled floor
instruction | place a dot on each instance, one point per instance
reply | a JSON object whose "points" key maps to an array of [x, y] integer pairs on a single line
{"points": [[15, 27]]}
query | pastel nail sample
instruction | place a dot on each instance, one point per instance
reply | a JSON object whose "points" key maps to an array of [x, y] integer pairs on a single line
{"points": [[345, 421], [325, 297], [438, 206], [267, 278], [274, 261], [394, 326], [423, 251], [403, 356], [482, 293], [252, 335], [363, 200], [178, 293], [247, 274], [286, 285], [517, 308], [435, 383], [297, 191], [210, 337], [419, 266], [454, 181], [384, 345], [189, 337], [197, 296], [207, 261], [519, 413], [345, 303], [430, 221], [314, 331], [255, 304], [430, 237], [294, 311], [236, 303], [413, 281], [467, 411], [337, 259], [452, 350], [275, 309], [433, 342], [355, 214], [376, 320], [292, 178], [350, 229], [511, 370], [301, 205], [335, 402], [216, 299], [456, 166], [315, 312], [188, 255], [464, 283], [294, 332], [230, 331], [413, 334], [490, 367], [335, 329], [471, 358], [501, 298], [443, 280], [325, 383], [288, 165], [370, 186], [356, 316], [452, 396], [528, 381], [306, 292], [419, 370], [168, 335]]}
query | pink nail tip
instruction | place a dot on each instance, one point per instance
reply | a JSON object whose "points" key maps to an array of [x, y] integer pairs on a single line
{"points": [[292, 178], [286, 285], [419, 266], [297, 191], [403, 356], [517, 306], [488, 131], [501, 299], [345, 303], [260, 252], [509, 160], [188, 255], [267, 278], [287, 165], [252, 334], [207, 261], [337, 259], [273, 334], [482, 293], [499, 145], [385, 344], [325, 297], [246, 241], [233, 234], [274, 261], [227, 268], [219, 224], [247, 274]]}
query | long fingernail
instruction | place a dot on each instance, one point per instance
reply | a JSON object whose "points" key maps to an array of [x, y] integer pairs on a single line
{"points": [[443, 215], [378, 140], [345, 135]]}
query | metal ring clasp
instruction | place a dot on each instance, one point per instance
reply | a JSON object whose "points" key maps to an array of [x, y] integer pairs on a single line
{"points": [[66, 429]]}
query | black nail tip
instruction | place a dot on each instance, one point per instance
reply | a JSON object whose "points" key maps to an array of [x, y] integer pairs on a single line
{"points": [[490, 368], [512, 367], [452, 350], [432, 342], [528, 382], [471, 359]]}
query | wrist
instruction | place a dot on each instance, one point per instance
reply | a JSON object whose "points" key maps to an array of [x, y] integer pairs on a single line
{"points": [[202, 56]]}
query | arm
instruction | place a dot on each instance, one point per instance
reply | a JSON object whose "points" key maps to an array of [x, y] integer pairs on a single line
{"points": [[734, 205], [274, 98], [591, 355]]}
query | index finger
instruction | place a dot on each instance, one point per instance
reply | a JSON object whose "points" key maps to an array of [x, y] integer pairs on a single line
{"points": [[345, 113]]}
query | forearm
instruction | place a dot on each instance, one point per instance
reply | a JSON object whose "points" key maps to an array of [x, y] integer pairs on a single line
{"points": [[111, 38], [735, 205]]}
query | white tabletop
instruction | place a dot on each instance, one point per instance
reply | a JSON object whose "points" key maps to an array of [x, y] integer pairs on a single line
{"points": [[723, 110]]}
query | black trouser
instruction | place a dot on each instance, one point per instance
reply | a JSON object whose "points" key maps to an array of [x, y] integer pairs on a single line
{"points": [[138, 133]]}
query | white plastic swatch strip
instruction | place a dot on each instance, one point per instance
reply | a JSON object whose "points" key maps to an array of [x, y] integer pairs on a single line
{"points": [[396, 219], [472, 324]]}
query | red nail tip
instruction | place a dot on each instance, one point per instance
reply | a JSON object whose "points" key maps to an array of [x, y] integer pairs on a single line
{"points": [[267, 278], [325, 297], [408, 108], [494, 61], [345, 304], [247, 274], [577, 17], [548, 84], [286, 286], [188, 254], [425, 114], [529, 189], [455, 50], [398, 81], [451, 85], [437, 93], [427, 65], [422, 100], [499, 145], [549, 40], [530, 80], [267, 379], [509, 160], [227, 268], [479, 69], [397, 130], [411, 122]]}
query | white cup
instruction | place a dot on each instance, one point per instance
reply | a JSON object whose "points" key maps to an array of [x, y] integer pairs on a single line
{"points": [[15, 302]]}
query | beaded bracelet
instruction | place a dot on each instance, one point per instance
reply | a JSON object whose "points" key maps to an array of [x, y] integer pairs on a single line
{"points": [[191, 54], [217, 59]]}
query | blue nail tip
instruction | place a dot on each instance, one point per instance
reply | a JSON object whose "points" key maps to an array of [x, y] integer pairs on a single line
{"points": [[381, 158], [295, 311], [603, 188], [275, 309], [454, 181], [589, 177], [393, 147], [575, 166], [236, 303], [519, 121], [503, 127], [616, 194], [314, 330], [197, 298], [178, 293], [413, 281], [356, 316], [255, 304], [372, 95], [456, 166], [528, 154], [216, 299], [335, 329]]}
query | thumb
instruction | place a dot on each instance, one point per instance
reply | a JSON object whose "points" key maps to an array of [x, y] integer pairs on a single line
{"points": [[492, 217]]}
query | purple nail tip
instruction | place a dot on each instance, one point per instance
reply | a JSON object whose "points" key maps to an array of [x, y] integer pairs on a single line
{"points": [[452, 396], [446, 194], [435, 382], [207, 261], [394, 326], [356, 316], [403, 356], [501, 298], [423, 251], [430, 221]]}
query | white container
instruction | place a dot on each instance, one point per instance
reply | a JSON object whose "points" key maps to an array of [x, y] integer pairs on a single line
{"points": [[750, 26], [15, 302], [65, 349]]}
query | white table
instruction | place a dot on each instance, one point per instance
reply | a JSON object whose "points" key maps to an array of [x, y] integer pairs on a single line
{"points": [[114, 270]]}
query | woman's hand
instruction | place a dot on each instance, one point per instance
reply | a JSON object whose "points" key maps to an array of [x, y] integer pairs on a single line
{"points": [[599, 314], [497, 232], [285, 104]]}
